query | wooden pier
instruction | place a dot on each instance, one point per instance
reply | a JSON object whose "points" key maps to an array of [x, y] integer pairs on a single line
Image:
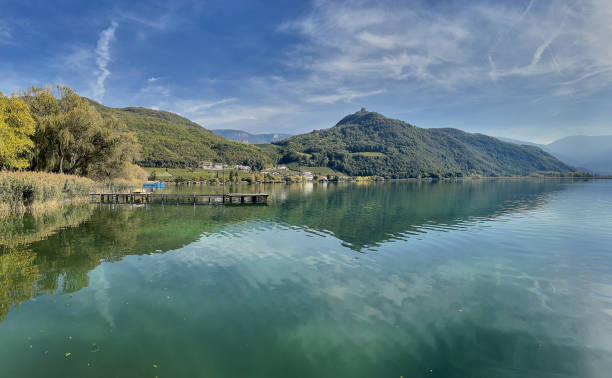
{"points": [[179, 198]]}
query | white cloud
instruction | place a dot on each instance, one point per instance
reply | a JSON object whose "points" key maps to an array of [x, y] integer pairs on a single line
{"points": [[196, 107], [155, 91], [6, 36], [353, 43], [166, 21], [343, 95], [103, 57], [352, 39], [152, 79], [240, 115]]}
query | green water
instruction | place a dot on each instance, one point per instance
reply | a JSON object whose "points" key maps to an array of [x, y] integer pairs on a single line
{"points": [[465, 279]]}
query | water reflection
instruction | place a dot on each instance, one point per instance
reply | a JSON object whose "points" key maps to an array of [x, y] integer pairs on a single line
{"points": [[499, 278], [368, 214], [56, 252]]}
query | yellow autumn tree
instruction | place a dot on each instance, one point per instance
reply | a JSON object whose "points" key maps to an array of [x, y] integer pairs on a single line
{"points": [[16, 128]]}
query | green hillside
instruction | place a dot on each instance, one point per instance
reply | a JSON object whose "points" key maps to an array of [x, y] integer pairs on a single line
{"points": [[367, 143], [169, 140]]}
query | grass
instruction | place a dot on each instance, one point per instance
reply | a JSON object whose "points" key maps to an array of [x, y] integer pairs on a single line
{"points": [[39, 192], [368, 154]]}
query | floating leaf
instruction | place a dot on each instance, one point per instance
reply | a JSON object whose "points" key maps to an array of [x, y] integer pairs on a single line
{"points": [[155, 366], [67, 355]]}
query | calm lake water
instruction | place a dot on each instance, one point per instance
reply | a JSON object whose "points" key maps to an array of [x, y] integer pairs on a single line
{"points": [[465, 279]]}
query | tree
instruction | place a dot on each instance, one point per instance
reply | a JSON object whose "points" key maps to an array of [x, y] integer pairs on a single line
{"points": [[121, 148], [16, 128], [72, 137]]}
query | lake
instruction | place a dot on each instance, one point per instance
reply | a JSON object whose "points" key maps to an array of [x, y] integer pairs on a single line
{"points": [[501, 278]]}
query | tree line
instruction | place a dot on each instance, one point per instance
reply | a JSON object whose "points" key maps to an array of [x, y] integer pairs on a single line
{"points": [[56, 130]]}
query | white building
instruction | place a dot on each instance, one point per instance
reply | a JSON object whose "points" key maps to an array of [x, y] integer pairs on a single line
{"points": [[210, 165], [307, 175]]}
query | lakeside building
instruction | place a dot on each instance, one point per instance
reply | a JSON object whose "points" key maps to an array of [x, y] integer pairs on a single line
{"points": [[210, 165], [242, 168], [307, 175], [277, 168]]}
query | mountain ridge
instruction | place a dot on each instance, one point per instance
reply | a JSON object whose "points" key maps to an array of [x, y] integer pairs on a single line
{"points": [[368, 143], [172, 141]]}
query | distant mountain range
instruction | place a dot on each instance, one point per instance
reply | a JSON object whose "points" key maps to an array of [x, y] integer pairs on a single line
{"points": [[243, 136], [587, 153], [368, 143]]}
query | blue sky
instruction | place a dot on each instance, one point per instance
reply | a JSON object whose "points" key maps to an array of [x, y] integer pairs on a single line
{"points": [[532, 70]]}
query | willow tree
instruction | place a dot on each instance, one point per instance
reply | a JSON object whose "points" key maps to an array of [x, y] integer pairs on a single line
{"points": [[72, 137], [16, 128]]}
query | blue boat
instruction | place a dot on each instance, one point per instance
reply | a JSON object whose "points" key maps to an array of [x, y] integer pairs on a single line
{"points": [[153, 185]]}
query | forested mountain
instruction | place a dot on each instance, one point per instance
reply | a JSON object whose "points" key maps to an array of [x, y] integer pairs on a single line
{"points": [[243, 136], [367, 143], [169, 140]]}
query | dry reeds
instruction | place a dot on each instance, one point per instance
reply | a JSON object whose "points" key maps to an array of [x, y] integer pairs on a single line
{"points": [[38, 192]]}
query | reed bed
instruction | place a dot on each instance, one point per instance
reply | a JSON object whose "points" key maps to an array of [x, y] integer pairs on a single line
{"points": [[22, 192]]}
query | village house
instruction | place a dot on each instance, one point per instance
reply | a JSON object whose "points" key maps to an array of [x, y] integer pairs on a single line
{"points": [[307, 175], [242, 168], [210, 165]]}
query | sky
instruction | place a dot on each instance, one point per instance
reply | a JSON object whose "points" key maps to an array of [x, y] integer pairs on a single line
{"points": [[534, 70]]}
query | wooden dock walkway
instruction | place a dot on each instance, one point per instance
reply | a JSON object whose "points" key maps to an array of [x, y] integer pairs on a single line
{"points": [[180, 198]]}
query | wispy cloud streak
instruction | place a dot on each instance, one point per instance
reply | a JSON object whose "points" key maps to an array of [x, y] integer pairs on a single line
{"points": [[6, 35], [103, 57], [344, 95]]}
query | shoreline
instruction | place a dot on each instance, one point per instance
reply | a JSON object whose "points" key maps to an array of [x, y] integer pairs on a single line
{"points": [[410, 179]]}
